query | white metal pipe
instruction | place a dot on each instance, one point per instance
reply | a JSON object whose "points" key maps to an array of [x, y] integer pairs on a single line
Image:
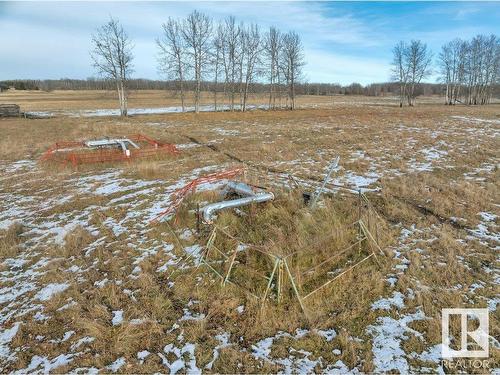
{"points": [[332, 166], [211, 209], [111, 142], [239, 188]]}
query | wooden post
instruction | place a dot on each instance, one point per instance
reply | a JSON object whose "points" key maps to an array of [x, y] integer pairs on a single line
{"points": [[198, 219], [295, 289], [359, 220], [280, 279], [276, 262], [210, 241], [233, 258]]}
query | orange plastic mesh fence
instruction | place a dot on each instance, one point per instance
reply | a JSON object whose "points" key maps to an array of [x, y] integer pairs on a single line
{"points": [[178, 195], [76, 153]]}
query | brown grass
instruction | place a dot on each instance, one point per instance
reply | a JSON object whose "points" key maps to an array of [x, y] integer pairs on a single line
{"points": [[302, 143]]}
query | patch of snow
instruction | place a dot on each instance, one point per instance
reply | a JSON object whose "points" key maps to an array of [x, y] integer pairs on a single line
{"points": [[493, 303], [20, 165], [339, 368], [184, 146], [101, 283], [433, 354], [116, 365], [392, 280], [226, 132], [117, 317], [482, 232], [475, 120], [42, 114], [357, 182], [82, 341], [188, 315], [195, 252], [223, 339], [50, 290], [433, 154], [328, 334], [180, 363], [262, 348], [396, 300], [388, 335], [67, 335], [142, 355], [48, 365], [488, 217], [135, 111], [6, 337]]}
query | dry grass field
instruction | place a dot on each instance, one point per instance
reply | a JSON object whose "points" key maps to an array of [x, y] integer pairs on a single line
{"points": [[77, 102], [88, 284]]}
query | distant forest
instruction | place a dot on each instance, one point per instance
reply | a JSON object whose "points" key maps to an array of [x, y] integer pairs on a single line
{"points": [[325, 89]]}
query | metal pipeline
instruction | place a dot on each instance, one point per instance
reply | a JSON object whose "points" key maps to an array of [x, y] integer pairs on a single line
{"points": [[211, 209], [106, 142], [238, 188]]}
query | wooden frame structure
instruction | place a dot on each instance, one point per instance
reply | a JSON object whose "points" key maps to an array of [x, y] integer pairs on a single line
{"points": [[276, 269]]}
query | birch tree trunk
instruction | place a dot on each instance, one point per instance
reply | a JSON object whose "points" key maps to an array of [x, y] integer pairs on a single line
{"points": [[112, 57]]}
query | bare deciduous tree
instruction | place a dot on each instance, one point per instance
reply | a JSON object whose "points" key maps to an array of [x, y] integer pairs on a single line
{"points": [[451, 68], [194, 52], [470, 69], [411, 63], [217, 59], [400, 69], [112, 57], [172, 55], [292, 61], [196, 30], [252, 59], [272, 50], [231, 57], [419, 60]]}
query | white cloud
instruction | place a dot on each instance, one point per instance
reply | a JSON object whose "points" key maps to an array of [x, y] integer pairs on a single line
{"points": [[52, 40], [331, 67]]}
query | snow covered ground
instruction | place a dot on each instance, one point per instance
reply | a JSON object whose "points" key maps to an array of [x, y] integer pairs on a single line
{"points": [[135, 111]]}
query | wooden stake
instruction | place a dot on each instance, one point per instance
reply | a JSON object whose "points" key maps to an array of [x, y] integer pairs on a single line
{"points": [[270, 282], [233, 258], [280, 279], [295, 289]]}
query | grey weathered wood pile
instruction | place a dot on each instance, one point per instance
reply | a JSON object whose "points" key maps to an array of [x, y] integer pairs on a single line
{"points": [[9, 110]]}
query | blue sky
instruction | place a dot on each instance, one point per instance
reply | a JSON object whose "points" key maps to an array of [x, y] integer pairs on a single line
{"points": [[344, 41]]}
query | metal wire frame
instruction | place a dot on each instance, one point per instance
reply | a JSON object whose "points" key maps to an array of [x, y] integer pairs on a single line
{"points": [[76, 153], [281, 268]]}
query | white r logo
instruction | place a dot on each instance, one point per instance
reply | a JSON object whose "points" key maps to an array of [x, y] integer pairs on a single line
{"points": [[480, 335]]}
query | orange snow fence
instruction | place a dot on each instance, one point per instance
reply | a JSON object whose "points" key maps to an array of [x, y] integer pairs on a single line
{"points": [[77, 153], [178, 195]]}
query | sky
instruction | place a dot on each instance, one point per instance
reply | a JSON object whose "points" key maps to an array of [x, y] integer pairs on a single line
{"points": [[344, 42]]}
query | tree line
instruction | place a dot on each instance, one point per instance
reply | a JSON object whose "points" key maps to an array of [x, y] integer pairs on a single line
{"points": [[195, 50], [261, 88], [469, 70], [231, 56]]}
